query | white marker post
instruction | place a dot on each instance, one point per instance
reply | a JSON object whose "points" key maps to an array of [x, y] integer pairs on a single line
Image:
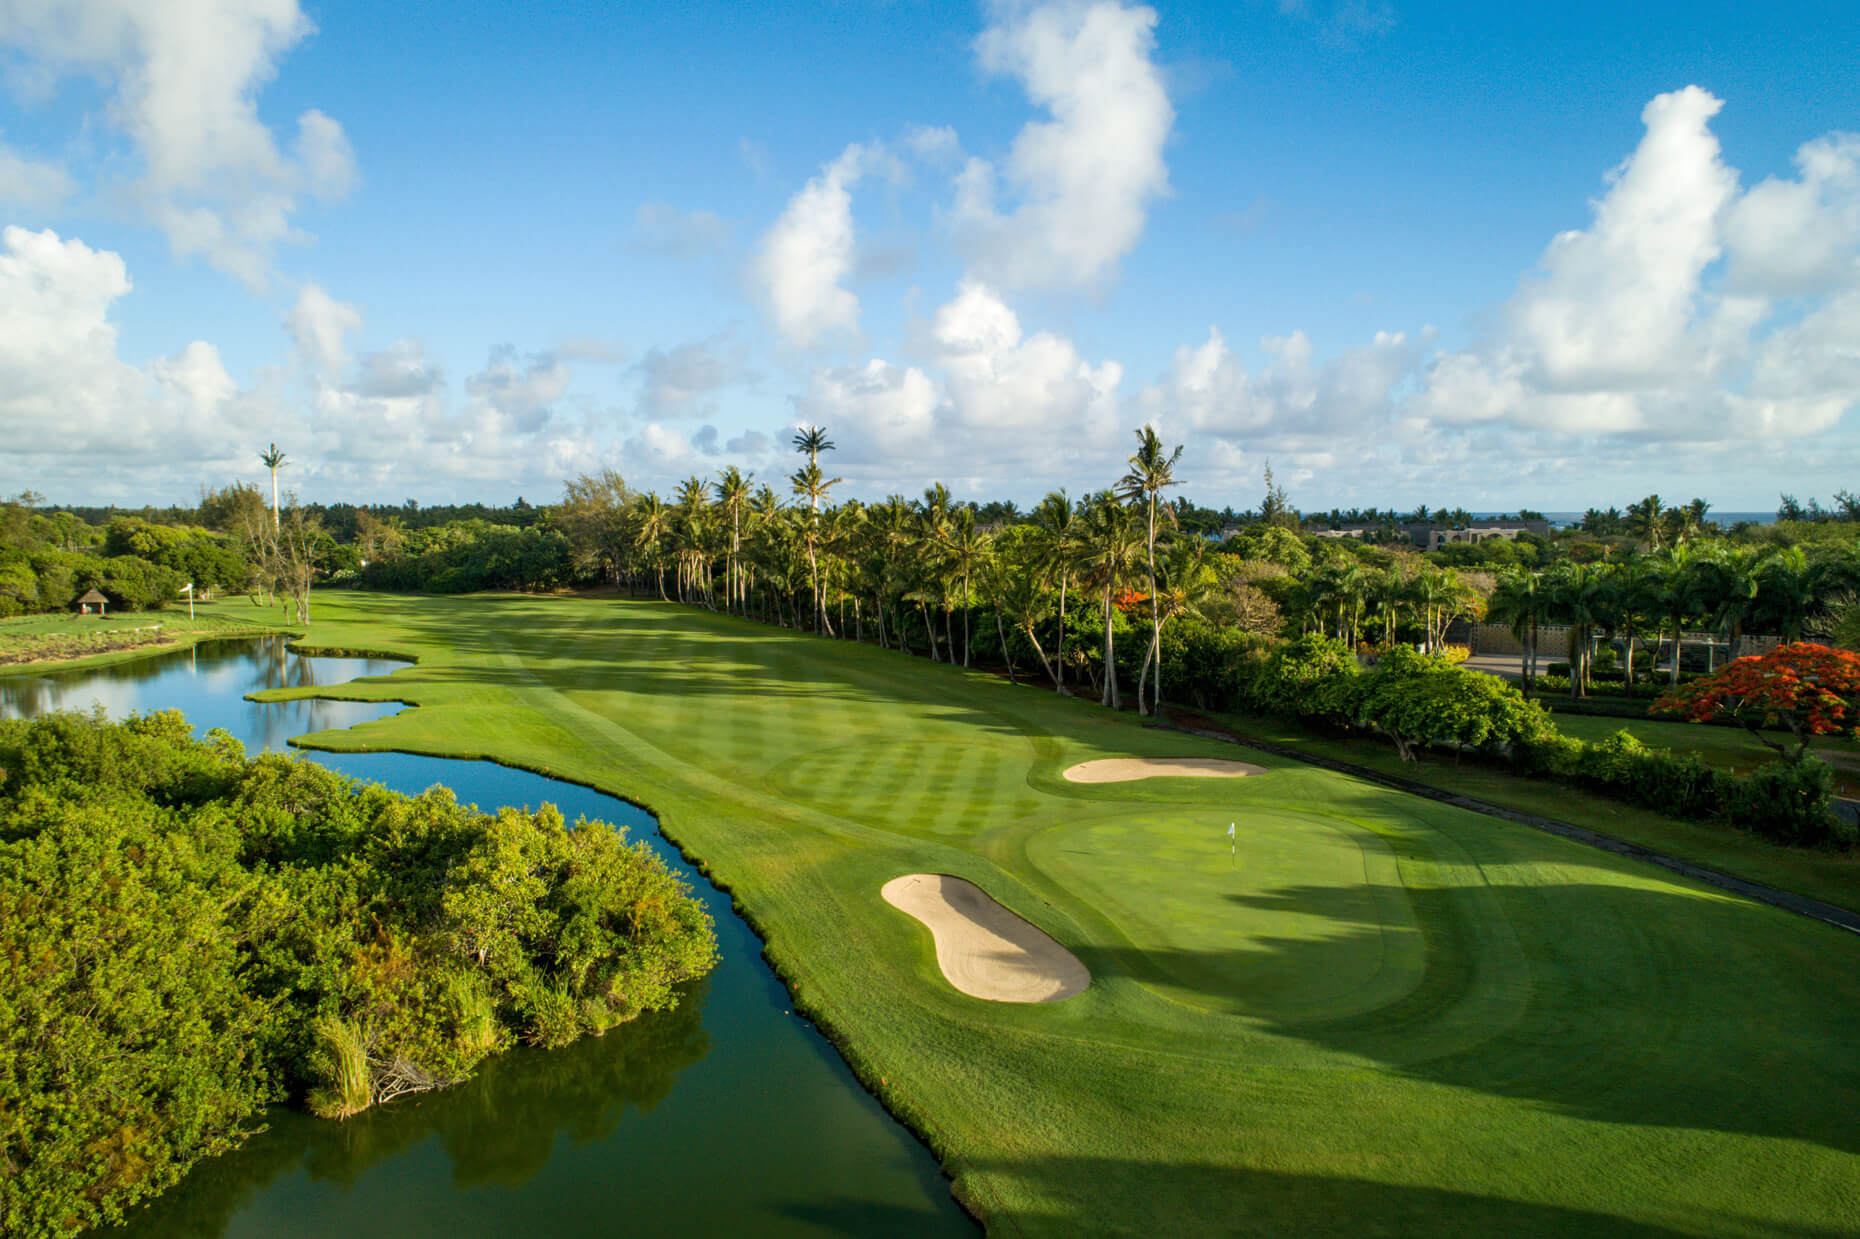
{"points": [[188, 589], [1233, 846]]}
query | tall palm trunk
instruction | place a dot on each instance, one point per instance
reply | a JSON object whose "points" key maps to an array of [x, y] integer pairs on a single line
{"points": [[1155, 615], [1111, 697], [1059, 684], [965, 624]]}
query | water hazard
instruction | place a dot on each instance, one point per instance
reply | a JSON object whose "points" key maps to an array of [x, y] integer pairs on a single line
{"points": [[726, 1116]]}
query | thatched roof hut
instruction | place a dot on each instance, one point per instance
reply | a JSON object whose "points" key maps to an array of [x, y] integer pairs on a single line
{"points": [[92, 599]]}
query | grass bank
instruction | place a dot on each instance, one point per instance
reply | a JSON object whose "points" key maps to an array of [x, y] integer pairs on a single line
{"points": [[30, 644], [1377, 1016]]}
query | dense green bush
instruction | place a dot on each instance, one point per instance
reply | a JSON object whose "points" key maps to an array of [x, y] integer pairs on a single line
{"points": [[1419, 699], [1791, 804], [1210, 666], [189, 935], [1787, 801], [1294, 677], [473, 555]]}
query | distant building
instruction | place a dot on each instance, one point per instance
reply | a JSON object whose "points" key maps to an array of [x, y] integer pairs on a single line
{"points": [[1354, 531], [92, 603], [1431, 537]]}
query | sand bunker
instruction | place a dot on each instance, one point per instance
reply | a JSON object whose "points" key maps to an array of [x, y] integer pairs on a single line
{"points": [[983, 949], [1123, 769]]}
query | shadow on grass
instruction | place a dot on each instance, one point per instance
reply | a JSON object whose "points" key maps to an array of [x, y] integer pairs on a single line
{"points": [[1615, 1002], [1190, 1201]]}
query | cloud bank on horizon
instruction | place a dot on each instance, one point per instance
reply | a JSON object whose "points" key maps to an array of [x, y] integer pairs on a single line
{"points": [[1694, 323]]}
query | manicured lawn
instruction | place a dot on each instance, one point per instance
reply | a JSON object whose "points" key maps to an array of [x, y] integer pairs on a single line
{"points": [[1830, 876], [1382, 1017]]}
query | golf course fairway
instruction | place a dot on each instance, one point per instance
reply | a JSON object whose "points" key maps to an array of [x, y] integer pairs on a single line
{"points": [[1370, 1015]]}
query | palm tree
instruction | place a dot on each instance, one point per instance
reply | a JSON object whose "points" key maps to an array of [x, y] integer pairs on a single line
{"points": [[1647, 520], [1634, 603], [1581, 594], [1151, 472], [653, 526], [1112, 541], [273, 460], [811, 482], [1056, 518], [1187, 585], [1020, 599], [965, 546], [1387, 597], [732, 488], [1522, 601], [1786, 596]]}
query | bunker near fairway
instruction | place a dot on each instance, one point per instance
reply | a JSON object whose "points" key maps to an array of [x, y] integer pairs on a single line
{"points": [[983, 949], [1126, 769]]}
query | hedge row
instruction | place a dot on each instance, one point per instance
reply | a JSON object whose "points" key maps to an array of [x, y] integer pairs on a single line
{"points": [[1414, 700]]}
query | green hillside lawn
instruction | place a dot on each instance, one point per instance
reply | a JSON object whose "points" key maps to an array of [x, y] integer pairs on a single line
{"points": [[1387, 1018]]}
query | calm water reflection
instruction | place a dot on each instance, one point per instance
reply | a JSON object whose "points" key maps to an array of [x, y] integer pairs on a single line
{"points": [[727, 1116]]}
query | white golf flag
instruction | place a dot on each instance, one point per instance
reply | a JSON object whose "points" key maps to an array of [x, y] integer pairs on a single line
{"points": [[1230, 829]]}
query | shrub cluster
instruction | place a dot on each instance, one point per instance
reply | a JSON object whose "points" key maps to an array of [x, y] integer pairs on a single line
{"points": [[1788, 802], [1416, 701], [192, 935]]}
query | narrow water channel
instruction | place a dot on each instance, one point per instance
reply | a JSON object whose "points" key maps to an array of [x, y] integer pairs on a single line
{"points": [[727, 1116]]}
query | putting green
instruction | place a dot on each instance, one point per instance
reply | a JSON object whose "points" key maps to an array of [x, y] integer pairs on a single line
{"points": [[1220, 921], [1385, 1016]]}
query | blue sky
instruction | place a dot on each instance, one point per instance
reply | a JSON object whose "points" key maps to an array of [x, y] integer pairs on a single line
{"points": [[1480, 255]]}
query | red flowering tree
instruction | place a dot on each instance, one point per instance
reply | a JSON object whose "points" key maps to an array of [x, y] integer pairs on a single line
{"points": [[1812, 690]]}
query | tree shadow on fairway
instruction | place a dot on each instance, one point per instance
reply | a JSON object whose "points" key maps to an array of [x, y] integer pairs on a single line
{"points": [[1645, 1005], [669, 655], [1195, 1200]]}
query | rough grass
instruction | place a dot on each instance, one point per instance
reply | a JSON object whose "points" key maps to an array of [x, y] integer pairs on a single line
{"points": [[28, 643], [1383, 1017]]}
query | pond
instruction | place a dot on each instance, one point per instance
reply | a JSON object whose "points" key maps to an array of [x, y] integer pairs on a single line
{"points": [[728, 1115]]}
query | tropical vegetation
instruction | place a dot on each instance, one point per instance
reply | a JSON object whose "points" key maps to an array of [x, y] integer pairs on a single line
{"points": [[188, 935]]}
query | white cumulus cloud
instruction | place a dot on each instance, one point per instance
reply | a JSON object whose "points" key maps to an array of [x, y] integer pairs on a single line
{"points": [[808, 251], [1081, 182], [185, 77]]}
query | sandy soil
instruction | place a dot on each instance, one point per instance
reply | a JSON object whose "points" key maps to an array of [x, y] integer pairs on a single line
{"points": [[1123, 769], [983, 949]]}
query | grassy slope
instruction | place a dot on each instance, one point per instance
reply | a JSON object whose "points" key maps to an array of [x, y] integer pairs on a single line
{"points": [[1389, 1018]]}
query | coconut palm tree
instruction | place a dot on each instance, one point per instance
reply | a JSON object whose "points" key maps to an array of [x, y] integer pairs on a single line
{"points": [[1060, 544], [1187, 585], [964, 546], [812, 483], [653, 526], [1523, 601], [1581, 594], [1113, 541], [732, 487], [1152, 470], [273, 460]]}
